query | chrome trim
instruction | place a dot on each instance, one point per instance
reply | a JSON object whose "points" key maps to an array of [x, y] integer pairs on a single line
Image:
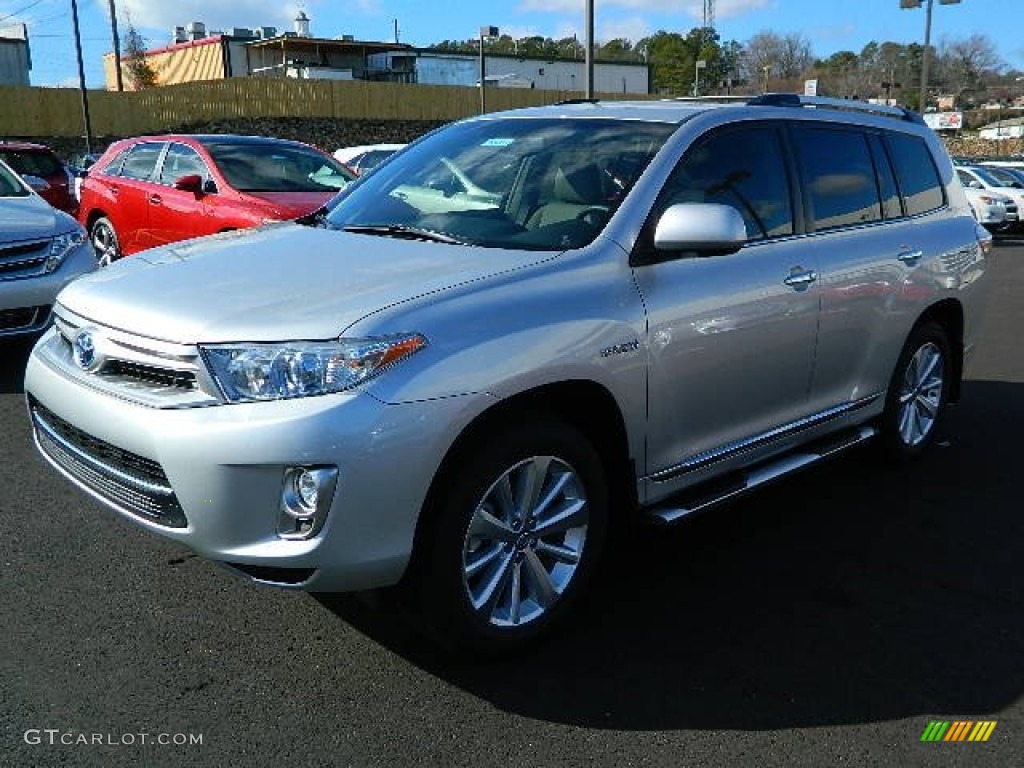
{"points": [[729, 450]]}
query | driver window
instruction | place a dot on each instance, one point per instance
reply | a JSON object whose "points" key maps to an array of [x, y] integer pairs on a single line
{"points": [[179, 161], [743, 168]]}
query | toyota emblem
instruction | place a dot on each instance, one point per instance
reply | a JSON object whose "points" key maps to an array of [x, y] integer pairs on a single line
{"points": [[84, 350]]}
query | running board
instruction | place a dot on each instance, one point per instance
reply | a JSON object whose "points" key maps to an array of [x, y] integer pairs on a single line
{"points": [[717, 491]]}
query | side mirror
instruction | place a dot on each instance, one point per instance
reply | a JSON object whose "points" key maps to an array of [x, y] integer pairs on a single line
{"points": [[708, 228], [191, 183], [37, 184]]}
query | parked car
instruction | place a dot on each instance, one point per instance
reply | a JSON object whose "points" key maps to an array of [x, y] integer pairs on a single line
{"points": [[991, 209], [979, 177], [41, 250], [155, 190], [28, 159], [660, 306], [364, 158], [1007, 175], [78, 166]]}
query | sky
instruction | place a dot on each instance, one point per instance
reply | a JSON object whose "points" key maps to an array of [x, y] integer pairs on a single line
{"points": [[830, 25]]}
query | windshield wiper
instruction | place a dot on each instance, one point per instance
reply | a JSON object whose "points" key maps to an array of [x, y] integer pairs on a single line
{"points": [[403, 232]]}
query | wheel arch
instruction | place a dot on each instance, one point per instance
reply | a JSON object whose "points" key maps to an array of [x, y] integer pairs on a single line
{"points": [[585, 405], [949, 314]]}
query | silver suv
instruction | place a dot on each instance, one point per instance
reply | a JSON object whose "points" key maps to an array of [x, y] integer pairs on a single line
{"points": [[522, 325]]}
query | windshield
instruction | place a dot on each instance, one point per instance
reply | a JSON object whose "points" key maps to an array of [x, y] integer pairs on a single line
{"points": [[34, 162], [987, 177], [267, 167], [523, 183], [9, 185]]}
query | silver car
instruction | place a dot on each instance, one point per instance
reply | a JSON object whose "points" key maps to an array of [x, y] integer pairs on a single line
{"points": [[634, 309], [41, 250]]}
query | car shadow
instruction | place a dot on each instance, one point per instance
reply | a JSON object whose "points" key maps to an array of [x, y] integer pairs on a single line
{"points": [[13, 358], [854, 592]]}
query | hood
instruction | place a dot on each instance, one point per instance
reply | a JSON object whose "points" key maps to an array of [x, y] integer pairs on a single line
{"points": [[276, 283], [30, 218], [292, 205]]}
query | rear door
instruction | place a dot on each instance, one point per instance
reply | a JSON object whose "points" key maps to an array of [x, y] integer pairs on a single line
{"points": [[130, 187]]}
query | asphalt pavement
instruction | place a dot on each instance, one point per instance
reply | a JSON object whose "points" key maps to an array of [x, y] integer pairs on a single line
{"points": [[826, 620]]}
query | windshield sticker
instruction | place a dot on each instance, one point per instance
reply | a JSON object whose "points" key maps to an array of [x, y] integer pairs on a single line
{"points": [[497, 142]]}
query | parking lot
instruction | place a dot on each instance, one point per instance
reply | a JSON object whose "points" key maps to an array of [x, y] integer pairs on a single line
{"points": [[826, 620]]}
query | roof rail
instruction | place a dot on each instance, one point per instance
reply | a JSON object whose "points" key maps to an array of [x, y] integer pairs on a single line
{"points": [[576, 101], [848, 105]]}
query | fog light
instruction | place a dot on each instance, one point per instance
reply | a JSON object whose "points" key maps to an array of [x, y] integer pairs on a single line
{"points": [[305, 499], [307, 489]]}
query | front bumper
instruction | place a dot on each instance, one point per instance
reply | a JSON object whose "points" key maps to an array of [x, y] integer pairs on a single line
{"points": [[225, 466]]}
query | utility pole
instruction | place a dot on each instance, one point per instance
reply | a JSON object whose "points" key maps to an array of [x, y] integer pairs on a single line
{"points": [[117, 47], [589, 57], [81, 79]]}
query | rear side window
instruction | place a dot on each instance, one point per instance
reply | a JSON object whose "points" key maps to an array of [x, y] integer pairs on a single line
{"points": [[916, 173], [838, 177], [891, 206], [141, 161], [34, 162], [743, 168]]}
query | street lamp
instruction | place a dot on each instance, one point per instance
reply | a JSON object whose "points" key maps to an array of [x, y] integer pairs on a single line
{"points": [[927, 39], [766, 70], [485, 33], [698, 65]]}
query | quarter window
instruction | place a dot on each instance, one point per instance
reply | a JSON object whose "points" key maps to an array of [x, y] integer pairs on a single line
{"points": [[838, 177], [916, 173]]}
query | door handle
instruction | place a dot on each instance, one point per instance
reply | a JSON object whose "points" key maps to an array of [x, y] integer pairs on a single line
{"points": [[910, 257], [155, 199], [800, 278]]}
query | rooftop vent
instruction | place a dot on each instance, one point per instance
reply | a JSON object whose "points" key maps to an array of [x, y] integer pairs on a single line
{"points": [[302, 24]]}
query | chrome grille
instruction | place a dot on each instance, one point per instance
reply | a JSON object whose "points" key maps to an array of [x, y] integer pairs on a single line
{"points": [[123, 479], [24, 259], [149, 374], [152, 372]]}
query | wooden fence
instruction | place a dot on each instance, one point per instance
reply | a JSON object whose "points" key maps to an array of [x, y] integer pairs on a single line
{"points": [[28, 112]]}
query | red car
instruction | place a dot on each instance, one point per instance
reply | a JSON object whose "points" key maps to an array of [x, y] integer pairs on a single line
{"points": [[39, 160], [153, 190]]}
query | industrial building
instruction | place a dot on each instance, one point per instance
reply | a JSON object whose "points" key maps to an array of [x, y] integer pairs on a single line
{"points": [[15, 57], [196, 54]]}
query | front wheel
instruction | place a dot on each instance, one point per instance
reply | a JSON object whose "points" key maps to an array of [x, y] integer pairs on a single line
{"points": [[513, 536], [104, 241], [917, 393]]}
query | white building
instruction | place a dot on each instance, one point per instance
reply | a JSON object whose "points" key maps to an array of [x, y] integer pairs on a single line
{"points": [[1004, 129], [501, 70]]}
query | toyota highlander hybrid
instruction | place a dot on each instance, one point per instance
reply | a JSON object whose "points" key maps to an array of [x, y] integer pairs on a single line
{"points": [[452, 378]]}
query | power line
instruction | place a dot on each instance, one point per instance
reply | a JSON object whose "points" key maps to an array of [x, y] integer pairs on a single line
{"points": [[21, 10]]}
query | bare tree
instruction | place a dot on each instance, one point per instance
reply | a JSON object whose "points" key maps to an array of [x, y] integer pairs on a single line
{"points": [[964, 64], [140, 71]]}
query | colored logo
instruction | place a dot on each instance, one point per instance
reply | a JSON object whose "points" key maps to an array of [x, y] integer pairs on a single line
{"points": [[84, 350], [958, 730]]}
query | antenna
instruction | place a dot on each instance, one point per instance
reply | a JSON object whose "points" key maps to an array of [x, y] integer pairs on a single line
{"points": [[709, 16]]}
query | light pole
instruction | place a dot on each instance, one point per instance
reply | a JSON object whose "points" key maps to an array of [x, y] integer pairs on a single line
{"points": [[86, 121], [485, 32], [588, 64], [927, 40], [766, 70], [698, 65]]}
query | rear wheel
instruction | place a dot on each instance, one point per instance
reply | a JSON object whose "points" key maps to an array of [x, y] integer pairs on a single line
{"points": [[104, 241], [512, 539], [918, 392]]}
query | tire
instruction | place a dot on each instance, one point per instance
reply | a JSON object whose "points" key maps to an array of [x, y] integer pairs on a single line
{"points": [[483, 582], [104, 241], [918, 393]]}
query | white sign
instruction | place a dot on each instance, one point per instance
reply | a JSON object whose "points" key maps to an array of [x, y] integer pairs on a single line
{"points": [[810, 87], [944, 121]]}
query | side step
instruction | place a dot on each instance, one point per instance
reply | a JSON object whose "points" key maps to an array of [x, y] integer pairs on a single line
{"points": [[719, 490]]}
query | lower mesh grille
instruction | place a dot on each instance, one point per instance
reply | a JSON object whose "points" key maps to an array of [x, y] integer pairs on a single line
{"points": [[122, 478]]}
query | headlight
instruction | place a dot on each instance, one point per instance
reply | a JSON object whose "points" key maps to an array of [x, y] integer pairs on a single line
{"points": [[61, 246], [303, 368]]}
